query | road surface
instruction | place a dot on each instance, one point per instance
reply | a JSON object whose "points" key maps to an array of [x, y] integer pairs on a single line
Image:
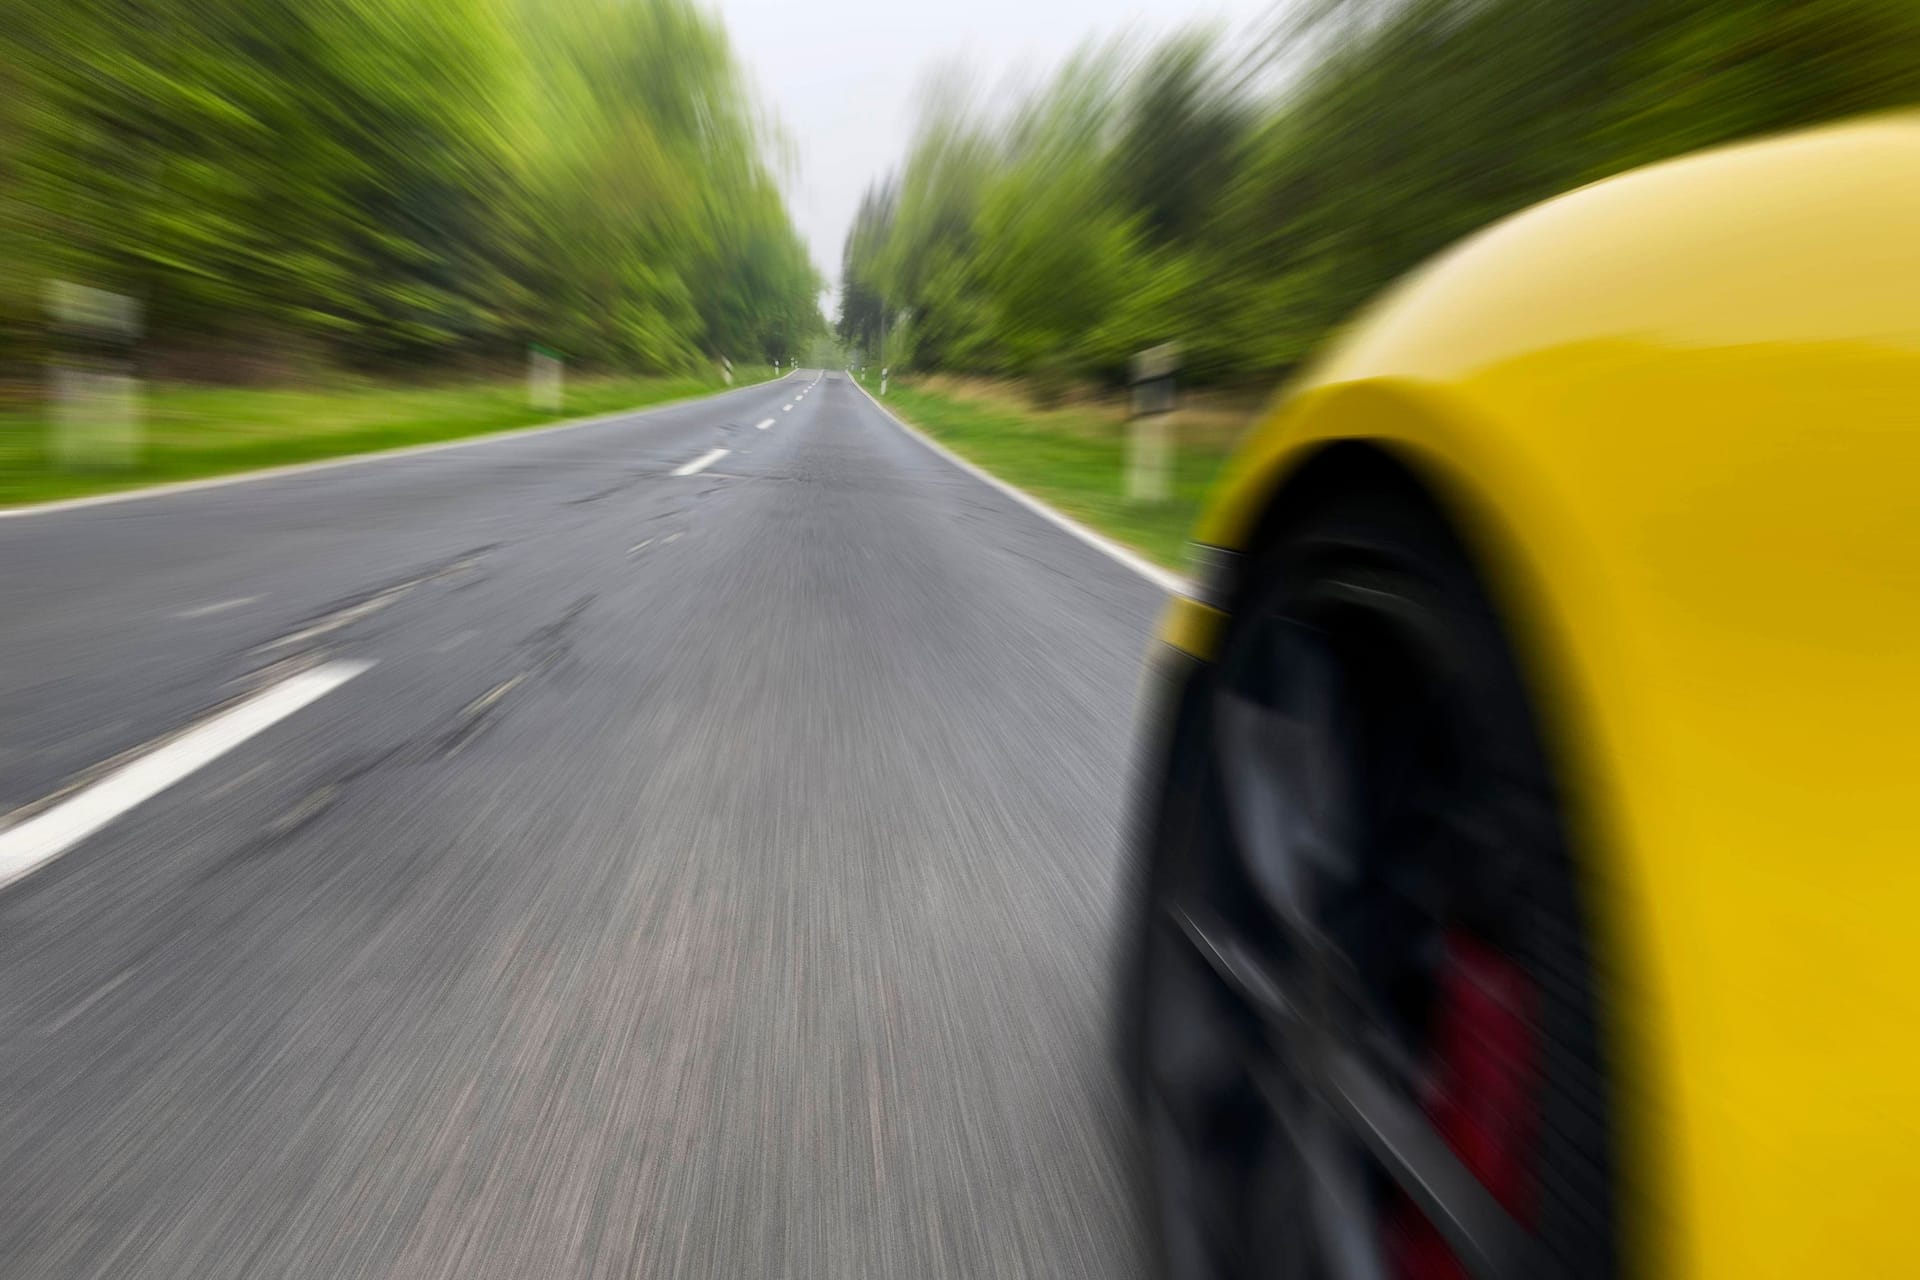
{"points": [[711, 874]]}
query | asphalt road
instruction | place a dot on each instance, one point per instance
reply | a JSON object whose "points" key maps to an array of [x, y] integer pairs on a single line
{"points": [[713, 875]]}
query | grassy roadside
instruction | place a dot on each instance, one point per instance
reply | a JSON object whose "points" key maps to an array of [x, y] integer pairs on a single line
{"points": [[192, 432], [1073, 458]]}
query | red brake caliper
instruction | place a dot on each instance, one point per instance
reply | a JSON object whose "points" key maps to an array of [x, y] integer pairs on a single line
{"points": [[1481, 1095]]}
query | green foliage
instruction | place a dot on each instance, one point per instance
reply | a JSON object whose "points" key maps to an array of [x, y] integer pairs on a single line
{"points": [[1161, 196], [384, 181]]}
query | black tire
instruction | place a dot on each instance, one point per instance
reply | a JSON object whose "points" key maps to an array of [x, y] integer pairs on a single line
{"points": [[1435, 808]]}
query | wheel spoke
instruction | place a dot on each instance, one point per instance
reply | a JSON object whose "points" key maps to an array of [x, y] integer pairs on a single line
{"points": [[1209, 1048], [1346, 1221], [1284, 1070], [1236, 966], [1490, 1243], [1281, 771]]}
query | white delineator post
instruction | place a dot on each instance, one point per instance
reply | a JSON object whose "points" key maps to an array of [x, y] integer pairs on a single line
{"points": [[545, 389], [1149, 439], [96, 398]]}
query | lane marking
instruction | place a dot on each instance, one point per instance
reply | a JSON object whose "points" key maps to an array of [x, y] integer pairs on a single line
{"points": [[638, 547], [47, 835], [763, 425], [342, 618], [702, 462], [786, 408], [219, 606], [673, 537], [1168, 581]]}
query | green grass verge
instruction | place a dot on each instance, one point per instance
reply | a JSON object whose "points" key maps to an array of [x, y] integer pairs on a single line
{"points": [[191, 432], [1072, 460]]}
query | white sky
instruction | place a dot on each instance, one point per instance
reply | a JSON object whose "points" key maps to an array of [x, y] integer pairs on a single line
{"points": [[842, 76]]}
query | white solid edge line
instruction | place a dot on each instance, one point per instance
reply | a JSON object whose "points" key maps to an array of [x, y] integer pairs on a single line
{"points": [[1165, 579], [46, 836], [356, 459], [763, 424], [702, 462]]}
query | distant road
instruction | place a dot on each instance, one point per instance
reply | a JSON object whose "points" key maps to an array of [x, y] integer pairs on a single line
{"points": [[676, 846]]}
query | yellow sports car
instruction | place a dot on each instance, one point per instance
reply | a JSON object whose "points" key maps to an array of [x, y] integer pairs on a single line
{"points": [[1531, 866]]}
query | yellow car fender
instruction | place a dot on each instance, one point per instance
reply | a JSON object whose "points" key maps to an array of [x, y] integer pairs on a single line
{"points": [[1677, 416]]}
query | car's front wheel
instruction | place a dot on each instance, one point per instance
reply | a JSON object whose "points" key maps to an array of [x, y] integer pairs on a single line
{"points": [[1365, 1027]]}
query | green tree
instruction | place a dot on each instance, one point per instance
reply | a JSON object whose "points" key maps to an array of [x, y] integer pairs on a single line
{"points": [[1246, 205], [382, 181]]}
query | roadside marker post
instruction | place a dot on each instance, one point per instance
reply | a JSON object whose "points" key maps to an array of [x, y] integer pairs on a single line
{"points": [[545, 380], [95, 396], [1149, 452]]}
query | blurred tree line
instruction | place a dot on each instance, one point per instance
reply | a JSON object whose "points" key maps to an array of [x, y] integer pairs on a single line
{"points": [[388, 182], [1243, 202]]}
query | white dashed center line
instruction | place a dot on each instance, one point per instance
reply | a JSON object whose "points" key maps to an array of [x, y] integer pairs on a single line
{"points": [[763, 425], [702, 462], [47, 835]]}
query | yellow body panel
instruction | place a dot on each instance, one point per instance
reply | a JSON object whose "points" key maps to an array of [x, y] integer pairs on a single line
{"points": [[1678, 414]]}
